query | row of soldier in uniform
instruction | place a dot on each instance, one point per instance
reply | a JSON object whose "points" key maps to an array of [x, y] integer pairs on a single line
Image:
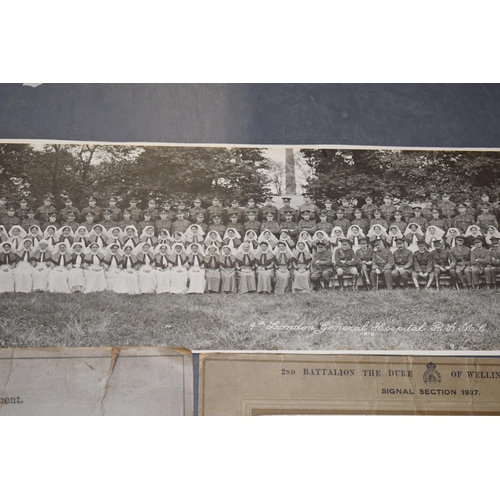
{"points": [[307, 216], [183, 266]]}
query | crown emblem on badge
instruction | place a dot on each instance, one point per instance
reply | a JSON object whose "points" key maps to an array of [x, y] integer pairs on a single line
{"points": [[432, 377]]}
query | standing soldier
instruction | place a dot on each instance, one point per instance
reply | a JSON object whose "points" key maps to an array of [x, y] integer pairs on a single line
{"points": [[418, 219], [323, 224], [330, 210], [378, 220], [42, 212], [72, 222], [163, 222], [485, 202], [309, 206], [423, 265], [155, 214], [214, 208], [285, 209], [387, 209], [10, 219], [3, 207], [442, 262], [135, 212], [92, 207], [368, 208], [341, 221], [448, 209], [235, 219], [493, 269], [30, 220], [306, 224], [406, 209], [358, 220], [382, 264], [251, 207], [108, 222], [252, 223], [291, 226], [268, 207], [463, 220], [479, 260], [197, 208], [271, 223], [180, 224], [181, 205], [217, 224], [63, 214], [403, 263], [345, 264], [322, 267], [22, 211], [486, 219], [127, 220], [435, 220], [399, 222], [364, 256], [116, 212], [460, 261]]}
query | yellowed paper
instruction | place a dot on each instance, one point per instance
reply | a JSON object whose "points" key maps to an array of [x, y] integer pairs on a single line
{"points": [[274, 384], [96, 381]]}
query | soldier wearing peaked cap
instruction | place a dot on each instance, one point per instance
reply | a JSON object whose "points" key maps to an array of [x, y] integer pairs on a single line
{"points": [[92, 207], [323, 224], [309, 206], [108, 221], [322, 267], [134, 210], [345, 264], [268, 207], [305, 223], [485, 219], [399, 222], [360, 221], [3, 206], [234, 222], [286, 208], [116, 212], [341, 220], [43, 211], [418, 218], [403, 263], [493, 269], [63, 214], [252, 223], [197, 209], [460, 261], [382, 264], [368, 208], [10, 219], [291, 226], [479, 260], [22, 211], [215, 208], [442, 262], [423, 265], [463, 220], [271, 223], [387, 209], [378, 220]]}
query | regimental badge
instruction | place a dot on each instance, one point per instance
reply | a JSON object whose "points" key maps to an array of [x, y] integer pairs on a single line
{"points": [[432, 377]]}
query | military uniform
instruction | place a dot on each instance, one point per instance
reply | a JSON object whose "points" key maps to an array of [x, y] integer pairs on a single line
{"points": [[135, 214], [364, 258], [42, 213], [284, 210], [486, 204], [379, 221], [368, 209], [180, 226], [309, 207], [342, 222], [383, 260], [193, 212], [493, 269], [479, 260], [407, 212], [272, 226], [122, 224], [291, 227], [460, 260], [423, 262], [421, 221], [307, 225], [439, 223], [463, 221], [108, 224], [220, 228], [97, 211], [10, 220], [322, 268], [63, 214], [387, 211], [401, 225], [345, 263], [163, 224], [362, 223], [28, 222], [22, 213], [485, 220], [268, 208], [442, 260], [327, 227], [403, 265], [253, 225]]}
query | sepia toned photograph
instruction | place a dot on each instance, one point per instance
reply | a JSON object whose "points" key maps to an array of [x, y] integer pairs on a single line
{"points": [[249, 248]]}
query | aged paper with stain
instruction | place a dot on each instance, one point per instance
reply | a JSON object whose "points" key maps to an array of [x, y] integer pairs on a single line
{"points": [[96, 381], [281, 384]]}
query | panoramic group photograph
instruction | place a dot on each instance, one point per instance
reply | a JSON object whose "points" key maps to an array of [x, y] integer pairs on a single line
{"points": [[249, 248]]}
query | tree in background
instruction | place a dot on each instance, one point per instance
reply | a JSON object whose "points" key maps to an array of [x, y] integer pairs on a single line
{"points": [[104, 170], [416, 174]]}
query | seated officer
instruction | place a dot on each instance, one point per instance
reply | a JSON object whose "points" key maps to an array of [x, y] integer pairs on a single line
{"points": [[423, 265], [460, 260], [479, 260], [493, 269], [364, 256], [442, 262], [345, 264], [322, 267], [382, 264], [403, 263]]}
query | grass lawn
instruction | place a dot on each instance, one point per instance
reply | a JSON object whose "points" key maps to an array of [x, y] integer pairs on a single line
{"points": [[246, 321]]}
